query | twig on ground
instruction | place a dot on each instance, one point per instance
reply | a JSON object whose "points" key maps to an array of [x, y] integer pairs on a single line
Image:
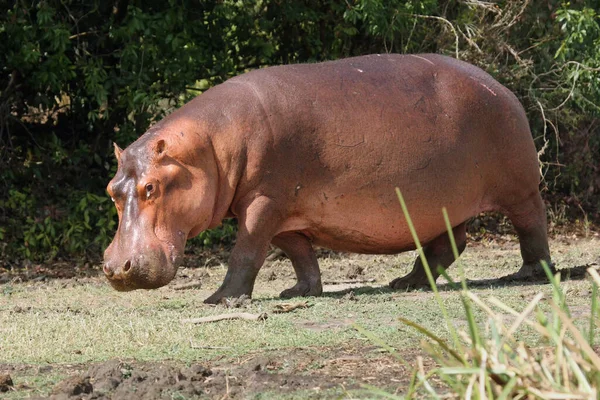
{"points": [[222, 317], [349, 282], [289, 307], [195, 346], [188, 285]]}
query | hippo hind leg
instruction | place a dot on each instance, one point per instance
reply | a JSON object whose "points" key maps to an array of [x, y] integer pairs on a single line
{"points": [[438, 253], [529, 220], [300, 251]]}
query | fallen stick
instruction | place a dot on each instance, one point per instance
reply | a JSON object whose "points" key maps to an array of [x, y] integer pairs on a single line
{"points": [[189, 285], [198, 347], [288, 307], [222, 317], [349, 282]]}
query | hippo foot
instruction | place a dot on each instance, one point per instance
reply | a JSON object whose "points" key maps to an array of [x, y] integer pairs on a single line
{"points": [[302, 289], [409, 283], [532, 271]]}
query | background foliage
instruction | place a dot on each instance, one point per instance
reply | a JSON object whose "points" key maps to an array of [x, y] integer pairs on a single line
{"points": [[76, 76]]}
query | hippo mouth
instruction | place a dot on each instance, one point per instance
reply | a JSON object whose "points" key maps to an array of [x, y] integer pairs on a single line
{"points": [[121, 286], [147, 271]]}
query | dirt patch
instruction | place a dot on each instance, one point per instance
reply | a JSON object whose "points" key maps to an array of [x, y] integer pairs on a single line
{"points": [[41, 273], [73, 386], [310, 370], [120, 380], [6, 383]]}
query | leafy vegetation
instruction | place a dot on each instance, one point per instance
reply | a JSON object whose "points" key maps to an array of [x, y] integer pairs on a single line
{"points": [[74, 77]]}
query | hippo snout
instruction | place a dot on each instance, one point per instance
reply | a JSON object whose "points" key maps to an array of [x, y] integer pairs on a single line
{"points": [[118, 273], [140, 271], [112, 270]]}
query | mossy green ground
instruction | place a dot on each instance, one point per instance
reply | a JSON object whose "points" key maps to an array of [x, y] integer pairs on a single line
{"points": [[69, 324]]}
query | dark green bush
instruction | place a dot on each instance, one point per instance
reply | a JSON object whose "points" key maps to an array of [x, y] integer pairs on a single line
{"points": [[76, 76]]}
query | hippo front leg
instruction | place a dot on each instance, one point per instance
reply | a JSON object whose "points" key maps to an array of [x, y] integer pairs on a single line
{"points": [[257, 225]]}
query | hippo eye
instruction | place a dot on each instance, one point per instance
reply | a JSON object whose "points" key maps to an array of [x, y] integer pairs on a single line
{"points": [[149, 189]]}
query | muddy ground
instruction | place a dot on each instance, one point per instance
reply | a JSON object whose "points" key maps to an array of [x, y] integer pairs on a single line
{"points": [[297, 373], [302, 373]]}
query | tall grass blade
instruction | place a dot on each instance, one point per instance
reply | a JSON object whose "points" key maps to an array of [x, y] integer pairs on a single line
{"points": [[581, 379], [424, 378], [538, 327], [496, 338], [459, 370], [593, 313], [435, 338], [412, 385], [447, 277], [507, 390], [585, 346], [437, 296], [594, 274], [473, 330], [559, 296], [595, 309], [521, 318], [453, 244], [469, 391], [379, 342]]}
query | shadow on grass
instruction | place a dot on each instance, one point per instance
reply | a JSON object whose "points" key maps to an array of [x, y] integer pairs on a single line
{"points": [[573, 273]]}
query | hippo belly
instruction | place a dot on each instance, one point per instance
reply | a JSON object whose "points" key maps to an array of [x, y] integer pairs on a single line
{"points": [[369, 220]]}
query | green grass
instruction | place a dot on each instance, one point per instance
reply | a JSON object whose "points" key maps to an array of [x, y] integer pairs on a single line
{"points": [[52, 324], [335, 393], [94, 323]]}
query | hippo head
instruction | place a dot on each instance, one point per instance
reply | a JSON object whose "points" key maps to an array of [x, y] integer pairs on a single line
{"points": [[163, 194]]}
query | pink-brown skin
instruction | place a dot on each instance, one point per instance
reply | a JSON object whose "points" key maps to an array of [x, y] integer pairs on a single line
{"points": [[310, 154]]}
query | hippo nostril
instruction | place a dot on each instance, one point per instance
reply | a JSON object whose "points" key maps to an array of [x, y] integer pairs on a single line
{"points": [[107, 271], [127, 266]]}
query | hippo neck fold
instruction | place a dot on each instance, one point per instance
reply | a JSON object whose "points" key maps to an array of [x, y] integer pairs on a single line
{"points": [[219, 139], [226, 183]]}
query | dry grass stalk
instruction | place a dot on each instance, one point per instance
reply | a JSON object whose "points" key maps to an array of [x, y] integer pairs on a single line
{"points": [[223, 317]]}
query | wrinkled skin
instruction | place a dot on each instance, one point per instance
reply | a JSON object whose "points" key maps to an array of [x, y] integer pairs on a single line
{"points": [[310, 154]]}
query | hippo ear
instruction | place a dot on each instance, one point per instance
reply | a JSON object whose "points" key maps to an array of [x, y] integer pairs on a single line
{"points": [[160, 147], [118, 152]]}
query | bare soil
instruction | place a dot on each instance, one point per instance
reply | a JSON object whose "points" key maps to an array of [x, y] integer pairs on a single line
{"points": [[310, 371]]}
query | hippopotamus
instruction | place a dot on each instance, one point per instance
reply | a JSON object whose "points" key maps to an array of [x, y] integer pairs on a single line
{"points": [[310, 155]]}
